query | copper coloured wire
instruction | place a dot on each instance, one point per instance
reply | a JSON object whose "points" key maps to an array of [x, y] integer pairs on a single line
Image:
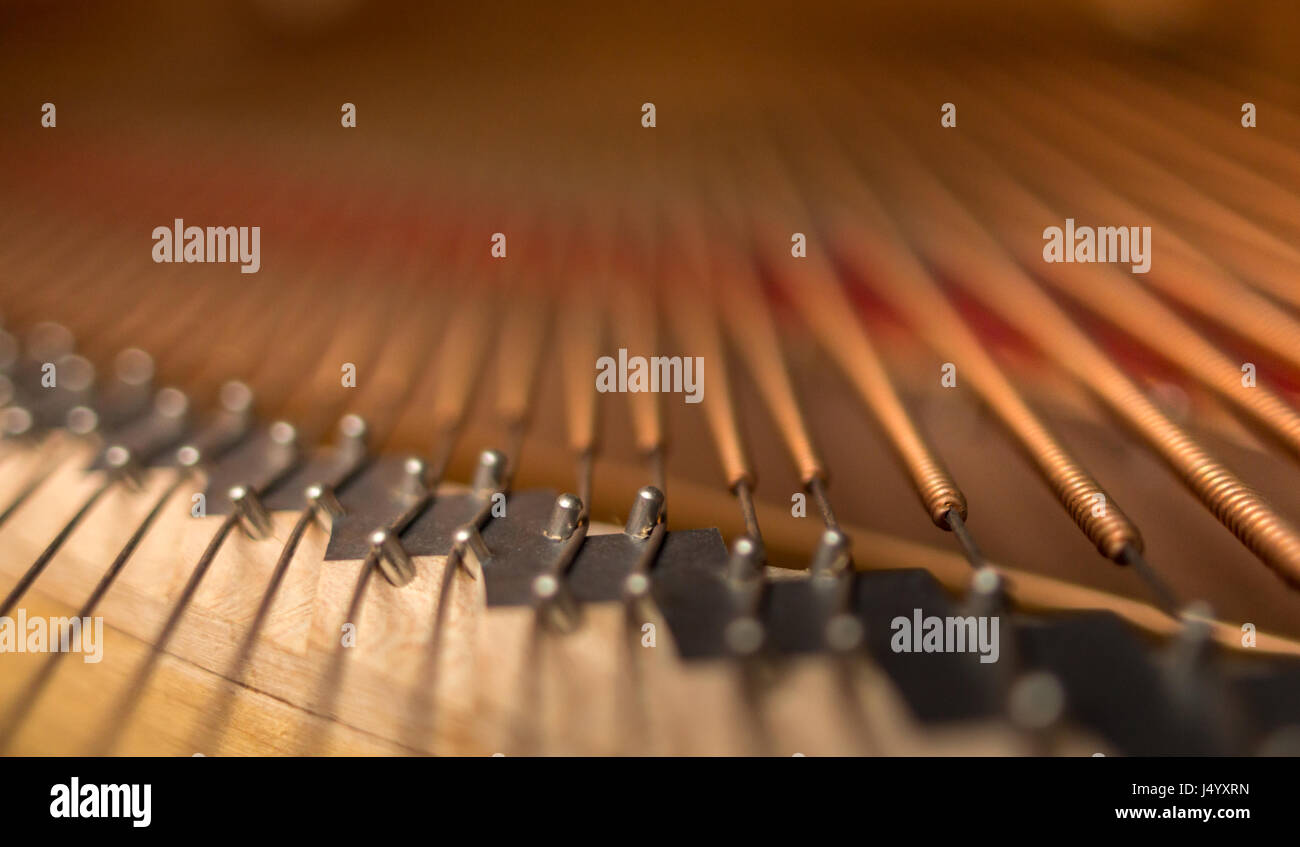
{"points": [[691, 303], [812, 284], [1113, 293], [524, 331], [634, 325], [690, 300], [579, 333], [747, 318], [1185, 273], [956, 242], [1262, 259], [872, 244], [1225, 178]]}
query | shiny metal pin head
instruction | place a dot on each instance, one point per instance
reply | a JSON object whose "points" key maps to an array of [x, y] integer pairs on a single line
{"points": [[490, 475], [646, 511], [322, 501], [391, 558], [831, 558], [564, 517], [745, 564], [254, 518], [472, 548]]}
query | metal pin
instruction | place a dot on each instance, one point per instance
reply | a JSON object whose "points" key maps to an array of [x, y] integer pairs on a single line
{"points": [[133, 366], [843, 632], [235, 396], [489, 477], [469, 541], [171, 402], [353, 432], [76, 373], [117, 456], [285, 437], [122, 466], [16, 421], [745, 633], [556, 606], [1037, 701], [413, 477], [988, 593], [256, 520], [81, 420], [564, 517], [129, 392], [831, 558], [323, 502], [546, 586], [1194, 640], [1195, 682], [386, 550], [745, 566], [646, 511], [394, 562], [188, 456], [829, 570], [636, 586]]}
